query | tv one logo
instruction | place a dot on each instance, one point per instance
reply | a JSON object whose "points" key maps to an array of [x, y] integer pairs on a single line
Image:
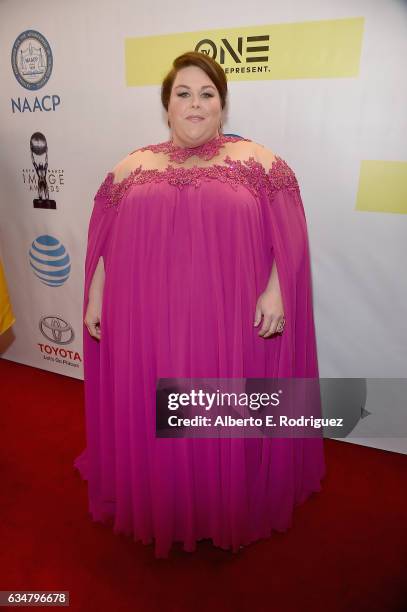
{"points": [[244, 50]]}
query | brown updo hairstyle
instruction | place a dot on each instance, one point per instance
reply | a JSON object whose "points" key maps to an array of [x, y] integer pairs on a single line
{"points": [[207, 64]]}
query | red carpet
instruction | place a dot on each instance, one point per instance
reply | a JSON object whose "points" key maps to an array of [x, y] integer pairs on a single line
{"points": [[347, 549]]}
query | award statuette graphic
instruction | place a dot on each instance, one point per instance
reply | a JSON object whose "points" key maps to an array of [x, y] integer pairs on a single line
{"points": [[39, 157]]}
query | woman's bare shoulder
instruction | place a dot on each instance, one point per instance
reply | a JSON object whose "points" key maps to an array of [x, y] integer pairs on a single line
{"points": [[249, 148], [264, 155], [133, 160]]}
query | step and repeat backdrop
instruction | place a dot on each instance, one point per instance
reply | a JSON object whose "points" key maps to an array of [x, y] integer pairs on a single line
{"points": [[322, 84]]}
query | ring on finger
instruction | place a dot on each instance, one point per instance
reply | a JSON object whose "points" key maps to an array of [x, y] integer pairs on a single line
{"points": [[280, 326]]}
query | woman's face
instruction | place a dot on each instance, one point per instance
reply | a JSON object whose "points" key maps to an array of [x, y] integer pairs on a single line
{"points": [[194, 108]]}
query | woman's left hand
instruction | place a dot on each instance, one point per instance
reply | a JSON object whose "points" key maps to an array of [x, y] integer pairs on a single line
{"points": [[270, 306]]}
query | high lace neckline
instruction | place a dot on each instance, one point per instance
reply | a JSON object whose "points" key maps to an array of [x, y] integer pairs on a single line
{"points": [[206, 151], [249, 173]]}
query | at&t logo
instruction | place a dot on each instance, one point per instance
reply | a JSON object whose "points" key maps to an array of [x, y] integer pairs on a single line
{"points": [[49, 260]]}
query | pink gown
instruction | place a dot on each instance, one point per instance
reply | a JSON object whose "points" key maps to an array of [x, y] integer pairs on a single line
{"points": [[187, 251]]}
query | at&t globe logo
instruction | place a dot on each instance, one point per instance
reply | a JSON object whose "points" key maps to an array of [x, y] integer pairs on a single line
{"points": [[49, 260]]}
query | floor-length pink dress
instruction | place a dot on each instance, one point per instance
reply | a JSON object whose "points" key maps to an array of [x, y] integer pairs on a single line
{"points": [[188, 248]]}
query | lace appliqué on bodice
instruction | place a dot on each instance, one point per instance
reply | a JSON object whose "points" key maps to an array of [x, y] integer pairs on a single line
{"points": [[249, 173], [206, 151]]}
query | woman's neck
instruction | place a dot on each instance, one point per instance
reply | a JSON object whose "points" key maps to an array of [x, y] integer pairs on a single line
{"points": [[176, 142]]}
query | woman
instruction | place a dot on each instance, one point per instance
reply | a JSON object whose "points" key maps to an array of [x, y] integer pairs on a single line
{"points": [[197, 266]]}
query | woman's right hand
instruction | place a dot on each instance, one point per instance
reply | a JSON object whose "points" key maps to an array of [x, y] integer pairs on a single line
{"points": [[95, 299], [92, 319]]}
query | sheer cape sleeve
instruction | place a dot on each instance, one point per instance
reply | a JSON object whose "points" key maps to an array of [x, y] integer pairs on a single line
{"points": [[288, 237], [99, 233]]}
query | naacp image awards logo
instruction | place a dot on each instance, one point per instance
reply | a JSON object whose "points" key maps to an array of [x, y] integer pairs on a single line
{"points": [[39, 158]]}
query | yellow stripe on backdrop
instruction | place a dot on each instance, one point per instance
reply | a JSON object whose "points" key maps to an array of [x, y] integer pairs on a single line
{"points": [[305, 50], [382, 186], [7, 317]]}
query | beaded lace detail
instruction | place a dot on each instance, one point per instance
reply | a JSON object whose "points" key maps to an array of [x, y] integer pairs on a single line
{"points": [[249, 173], [206, 151]]}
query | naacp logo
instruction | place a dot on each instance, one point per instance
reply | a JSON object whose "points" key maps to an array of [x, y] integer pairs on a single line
{"points": [[31, 59], [56, 330]]}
